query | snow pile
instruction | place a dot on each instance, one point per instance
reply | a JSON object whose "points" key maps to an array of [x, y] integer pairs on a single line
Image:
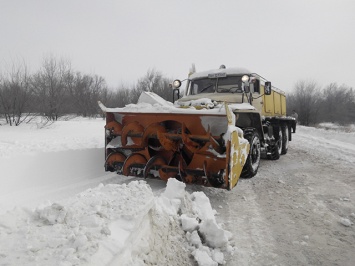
{"points": [[346, 222], [93, 227], [241, 106], [199, 103], [206, 238], [150, 102], [207, 103], [118, 225], [152, 98]]}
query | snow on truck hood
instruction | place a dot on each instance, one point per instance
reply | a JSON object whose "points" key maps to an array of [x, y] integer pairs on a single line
{"points": [[150, 102]]}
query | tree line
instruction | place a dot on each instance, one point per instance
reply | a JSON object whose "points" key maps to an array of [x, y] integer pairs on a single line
{"points": [[313, 104], [57, 90]]}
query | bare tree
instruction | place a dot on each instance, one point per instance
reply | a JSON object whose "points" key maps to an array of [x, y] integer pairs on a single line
{"points": [[337, 103], [50, 85], [306, 100], [56, 90], [15, 94], [85, 92], [123, 96], [154, 81], [349, 117]]}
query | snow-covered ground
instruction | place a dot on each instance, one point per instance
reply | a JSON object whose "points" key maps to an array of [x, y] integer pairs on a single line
{"points": [[59, 207], [299, 210]]}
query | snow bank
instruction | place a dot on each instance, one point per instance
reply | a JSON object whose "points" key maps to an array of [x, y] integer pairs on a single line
{"points": [[30, 138], [92, 228], [118, 225], [331, 126], [337, 143]]}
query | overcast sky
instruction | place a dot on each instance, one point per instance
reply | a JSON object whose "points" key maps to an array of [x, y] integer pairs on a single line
{"points": [[284, 41]]}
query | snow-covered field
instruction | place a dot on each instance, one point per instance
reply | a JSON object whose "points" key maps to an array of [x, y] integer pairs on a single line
{"points": [[59, 207]]}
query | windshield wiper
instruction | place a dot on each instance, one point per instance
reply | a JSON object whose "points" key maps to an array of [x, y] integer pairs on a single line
{"points": [[205, 88]]}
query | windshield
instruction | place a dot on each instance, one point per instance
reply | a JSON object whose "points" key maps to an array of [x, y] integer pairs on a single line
{"points": [[228, 84]]}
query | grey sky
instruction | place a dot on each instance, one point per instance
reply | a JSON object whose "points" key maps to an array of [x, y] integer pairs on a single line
{"points": [[284, 41]]}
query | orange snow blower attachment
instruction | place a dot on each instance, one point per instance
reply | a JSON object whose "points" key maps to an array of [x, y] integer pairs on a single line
{"points": [[194, 147]]}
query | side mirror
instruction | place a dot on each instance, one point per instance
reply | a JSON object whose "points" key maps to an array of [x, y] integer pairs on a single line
{"points": [[267, 88]]}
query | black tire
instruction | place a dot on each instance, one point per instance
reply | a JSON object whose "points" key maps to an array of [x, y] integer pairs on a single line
{"points": [[285, 140], [275, 148], [294, 125], [253, 161], [289, 133], [273, 153]]}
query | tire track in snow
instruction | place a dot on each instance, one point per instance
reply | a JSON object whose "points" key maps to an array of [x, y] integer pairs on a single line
{"points": [[243, 216]]}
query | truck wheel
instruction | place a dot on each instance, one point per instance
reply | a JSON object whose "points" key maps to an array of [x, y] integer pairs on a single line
{"points": [[275, 148], [278, 137], [273, 153], [253, 161], [284, 140], [289, 132]]}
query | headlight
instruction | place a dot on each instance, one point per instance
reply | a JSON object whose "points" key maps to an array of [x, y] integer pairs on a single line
{"points": [[245, 78], [176, 83]]}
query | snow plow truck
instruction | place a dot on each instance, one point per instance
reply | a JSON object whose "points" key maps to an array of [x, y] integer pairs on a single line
{"points": [[225, 122]]}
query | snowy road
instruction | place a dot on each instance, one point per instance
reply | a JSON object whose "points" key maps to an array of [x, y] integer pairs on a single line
{"points": [[298, 210]]}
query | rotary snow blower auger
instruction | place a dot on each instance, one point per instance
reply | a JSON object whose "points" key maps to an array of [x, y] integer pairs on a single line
{"points": [[194, 146]]}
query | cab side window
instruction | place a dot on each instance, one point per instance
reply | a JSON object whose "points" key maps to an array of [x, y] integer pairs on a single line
{"points": [[194, 89], [255, 86]]}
